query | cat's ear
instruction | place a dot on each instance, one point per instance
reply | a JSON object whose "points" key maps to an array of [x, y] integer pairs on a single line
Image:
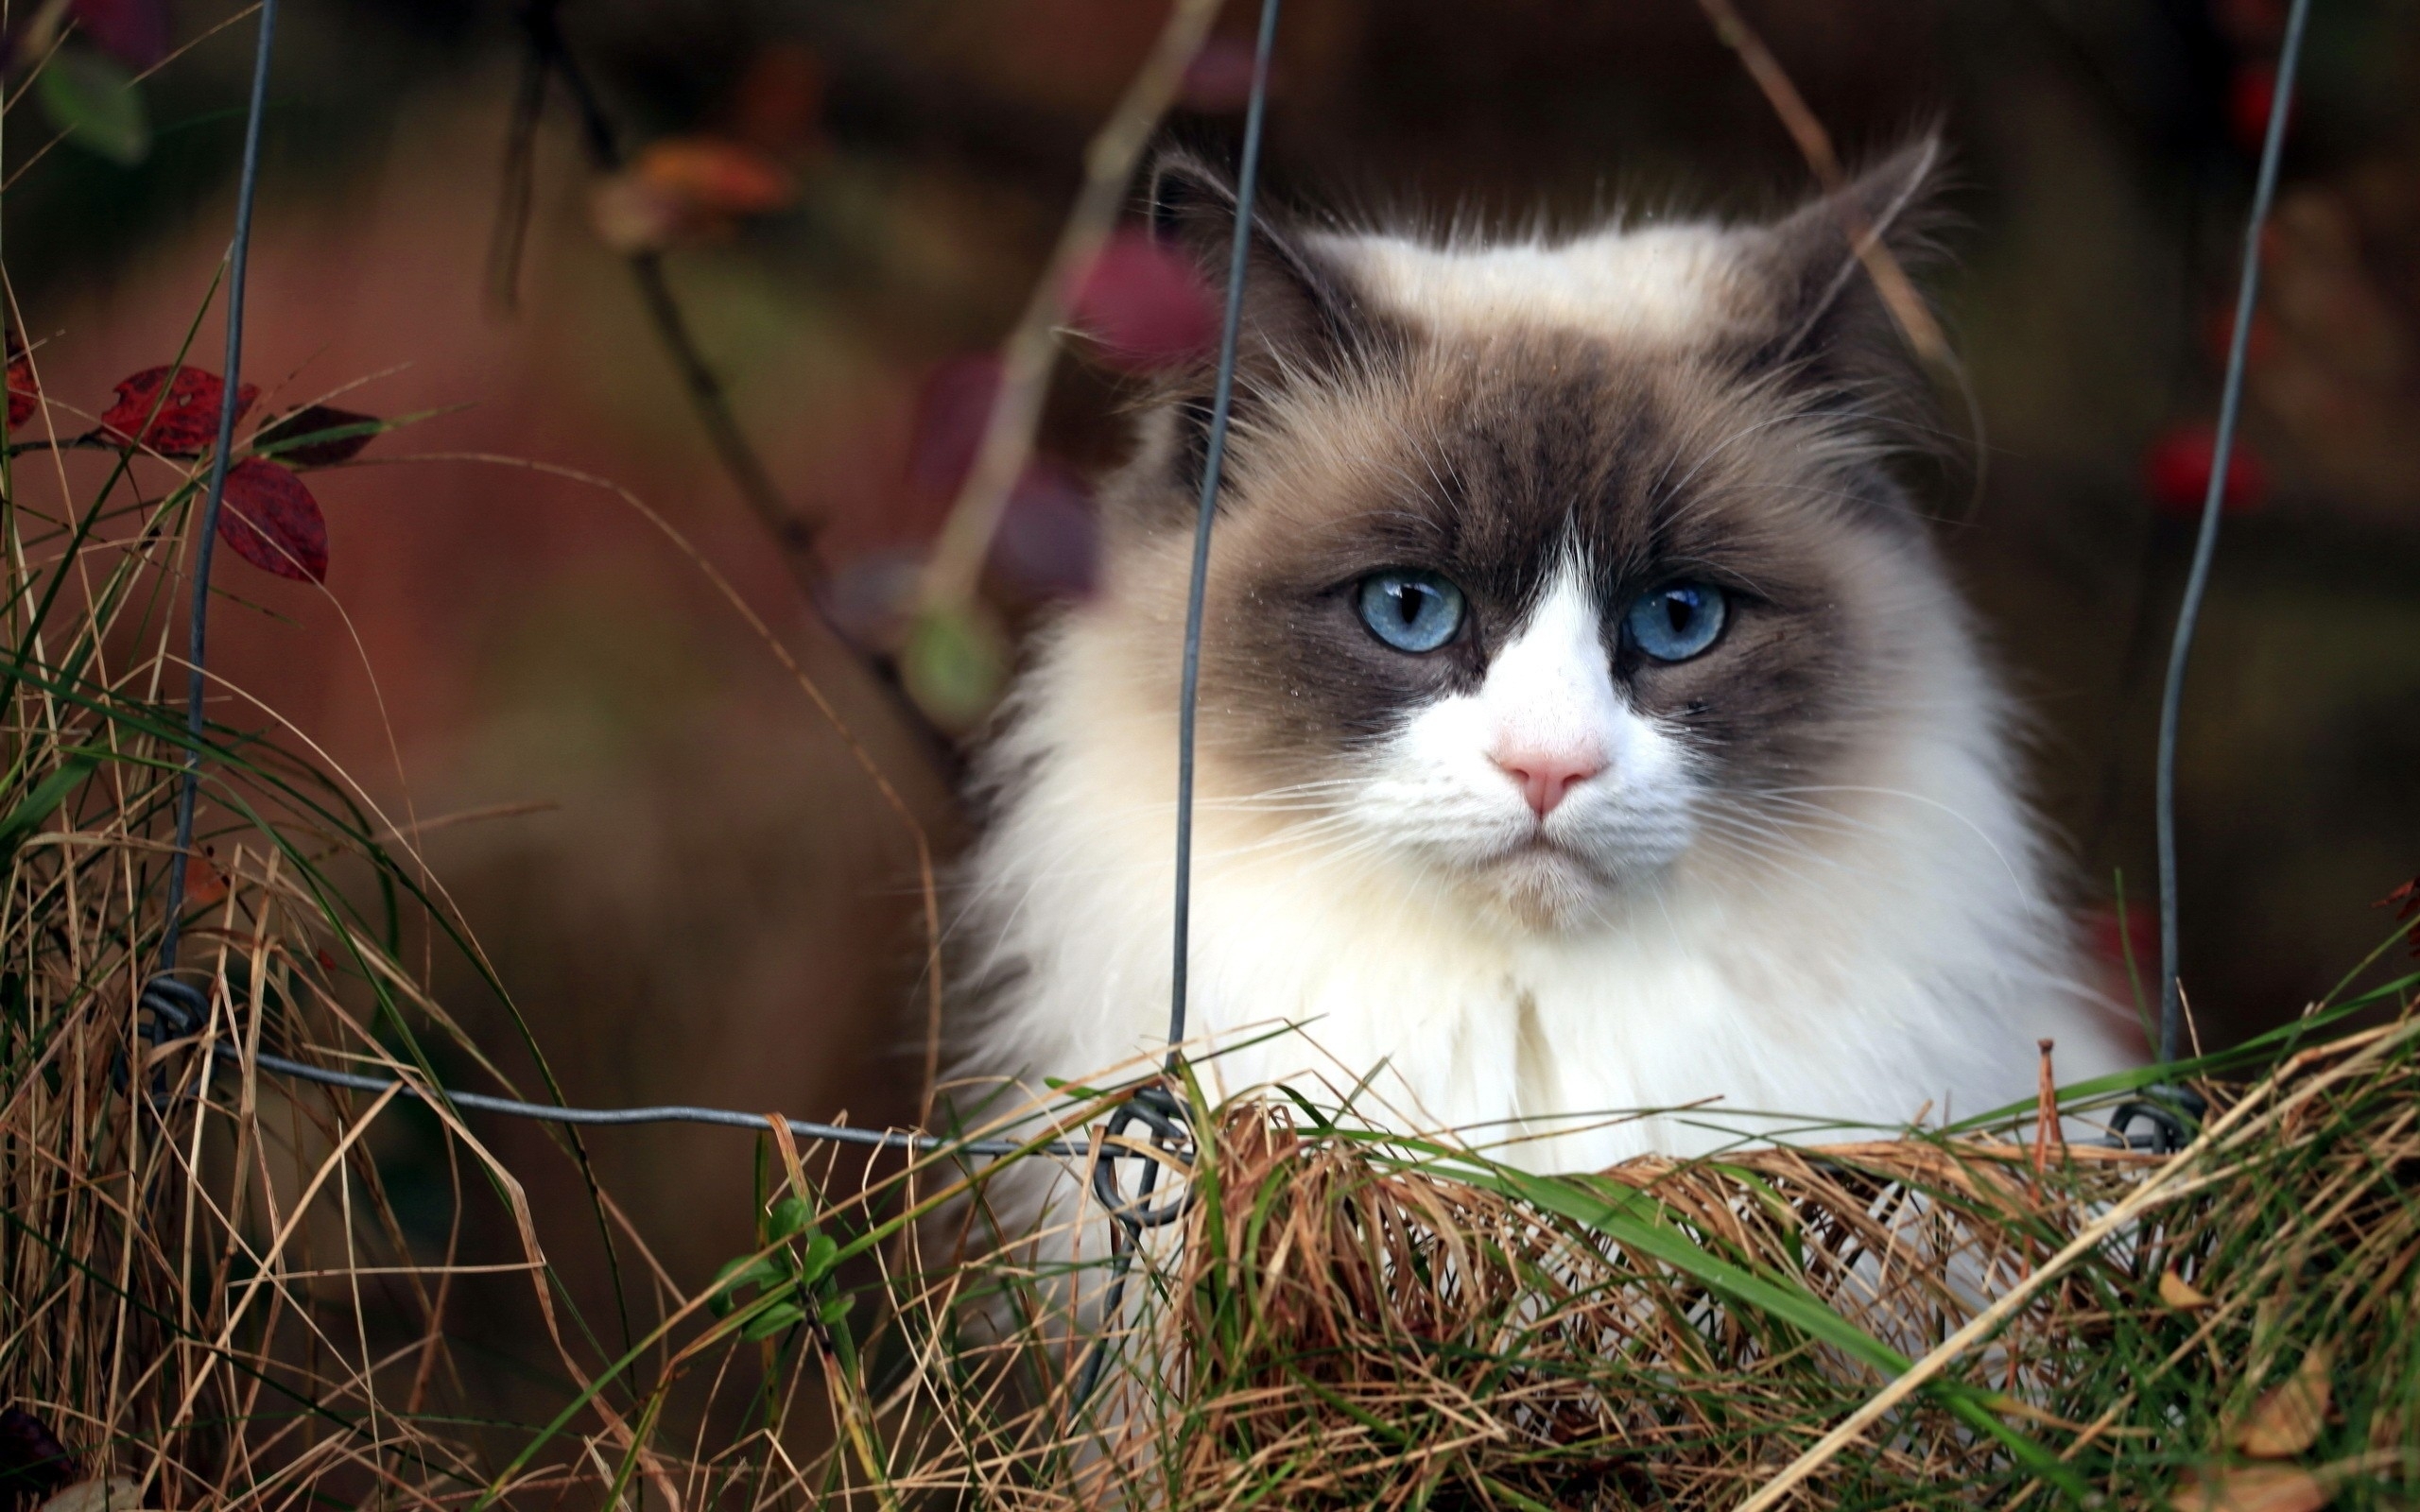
{"points": [[1299, 316], [1822, 317]]}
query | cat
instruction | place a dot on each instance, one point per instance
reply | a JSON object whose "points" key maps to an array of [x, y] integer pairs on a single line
{"points": [[1587, 721]]}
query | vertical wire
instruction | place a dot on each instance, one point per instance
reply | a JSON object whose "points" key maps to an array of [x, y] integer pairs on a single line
{"points": [[1223, 398], [2171, 1015], [197, 637]]}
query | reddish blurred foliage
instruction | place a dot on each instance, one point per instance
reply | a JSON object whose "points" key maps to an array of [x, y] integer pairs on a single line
{"points": [[2177, 472], [204, 883], [187, 422], [310, 420], [779, 103], [688, 189], [2111, 933], [1146, 307], [952, 408], [2218, 334], [25, 395], [1219, 77], [135, 32], [271, 521], [2250, 23], [2251, 91], [1047, 543], [2404, 903]]}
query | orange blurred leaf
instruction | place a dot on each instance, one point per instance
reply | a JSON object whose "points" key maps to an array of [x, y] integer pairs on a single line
{"points": [[2254, 1489], [2287, 1419], [204, 883], [687, 188], [2180, 1294]]}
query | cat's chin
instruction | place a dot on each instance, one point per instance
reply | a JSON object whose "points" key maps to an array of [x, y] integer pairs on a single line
{"points": [[1542, 887]]}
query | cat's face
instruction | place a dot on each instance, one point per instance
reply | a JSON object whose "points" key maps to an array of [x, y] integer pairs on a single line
{"points": [[1539, 573]]}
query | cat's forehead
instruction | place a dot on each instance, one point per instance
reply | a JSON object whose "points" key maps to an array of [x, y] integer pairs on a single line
{"points": [[1498, 451], [1659, 284]]}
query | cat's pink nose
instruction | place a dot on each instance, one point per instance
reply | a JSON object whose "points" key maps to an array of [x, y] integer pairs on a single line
{"points": [[1546, 777]]}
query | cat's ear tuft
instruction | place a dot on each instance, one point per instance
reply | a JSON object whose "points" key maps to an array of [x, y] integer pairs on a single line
{"points": [[1300, 317], [1299, 314], [1186, 198], [1823, 317]]}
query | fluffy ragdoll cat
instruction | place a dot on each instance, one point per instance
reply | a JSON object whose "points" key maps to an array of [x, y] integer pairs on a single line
{"points": [[1586, 721]]}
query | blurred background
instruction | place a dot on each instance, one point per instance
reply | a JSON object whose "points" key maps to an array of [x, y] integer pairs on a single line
{"points": [[676, 867]]}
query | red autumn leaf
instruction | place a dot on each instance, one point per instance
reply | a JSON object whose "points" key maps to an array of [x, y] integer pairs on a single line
{"points": [[135, 32], [952, 408], [309, 420], [2177, 472], [24, 396], [687, 188], [1145, 306], [187, 422], [272, 522]]}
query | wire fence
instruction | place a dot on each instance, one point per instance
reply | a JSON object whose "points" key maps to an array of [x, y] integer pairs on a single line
{"points": [[174, 1008]]}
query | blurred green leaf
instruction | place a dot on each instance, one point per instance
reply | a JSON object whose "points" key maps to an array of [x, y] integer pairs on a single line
{"points": [[822, 1255], [792, 1215], [773, 1320], [953, 665], [47, 794], [748, 1270], [834, 1310], [96, 103]]}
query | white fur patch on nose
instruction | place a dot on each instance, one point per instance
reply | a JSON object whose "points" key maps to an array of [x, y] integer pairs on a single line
{"points": [[1551, 717]]}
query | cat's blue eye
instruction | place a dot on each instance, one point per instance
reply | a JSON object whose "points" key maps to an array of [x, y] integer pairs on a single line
{"points": [[1410, 610], [1677, 620]]}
